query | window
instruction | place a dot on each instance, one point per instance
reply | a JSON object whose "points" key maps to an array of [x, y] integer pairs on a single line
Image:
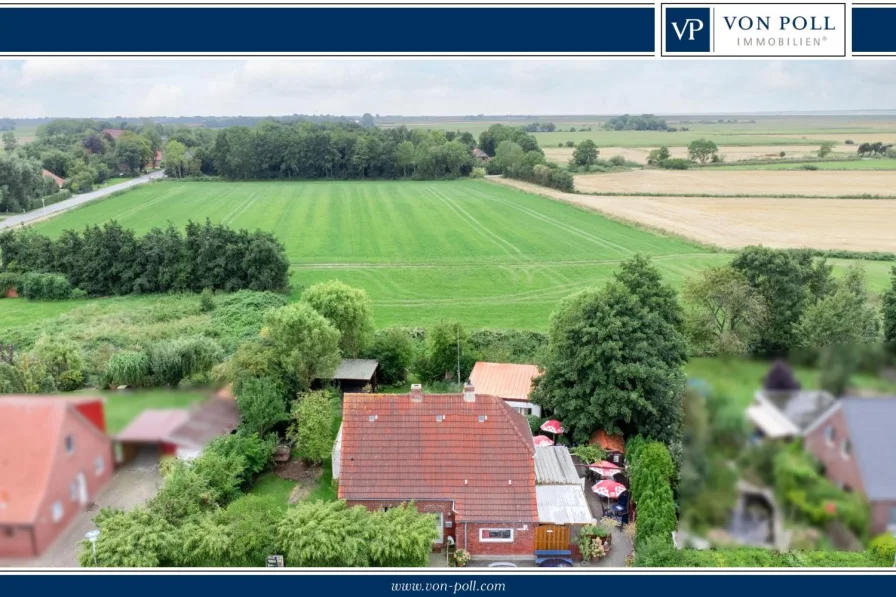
{"points": [[99, 465], [439, 527], [8, 531], [57, 511], [845, 448], [73, 490], [523, 410], [496, 535], [70, 444], [829, 435]]}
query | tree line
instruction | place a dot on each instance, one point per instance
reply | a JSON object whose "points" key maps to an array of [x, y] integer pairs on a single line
{"points": [[112, 260], [644, 122]]}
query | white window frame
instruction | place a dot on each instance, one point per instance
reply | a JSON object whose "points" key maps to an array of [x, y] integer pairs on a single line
{"points": [[57, 511], [99, 465], [73, 490], [845, 448], [484, 539], [829, 435]]}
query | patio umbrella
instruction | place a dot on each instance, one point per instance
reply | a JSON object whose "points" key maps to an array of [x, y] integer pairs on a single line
{"points": [[605, 468], [552, 426], [608, 489], [543, 440]]}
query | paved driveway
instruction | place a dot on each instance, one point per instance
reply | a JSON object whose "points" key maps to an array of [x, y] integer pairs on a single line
{"points": [[75, 201], [132, 485]]}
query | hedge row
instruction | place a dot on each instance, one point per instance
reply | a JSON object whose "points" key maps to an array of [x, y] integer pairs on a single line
{"points": [[39, 202], [39, 286]]}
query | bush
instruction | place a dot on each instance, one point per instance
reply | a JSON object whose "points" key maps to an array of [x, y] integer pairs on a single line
{"points": [[618, 161], [312, 426], [509, 346], [477, 173], [570, 144], [535, 423], [393, 350], [128, 369], [47, 287], [675, 164], [173, 360], [239, 316], [849, 142], [207, 301], [8, 281], [883, 547], [808, 167]]}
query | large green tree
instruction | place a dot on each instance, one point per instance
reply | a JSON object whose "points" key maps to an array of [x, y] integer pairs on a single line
{"points": [[844, 317], [585, 153], [305, 343], [261, 402], [348, 309], [724, 312], [613, 364], [889, 308], [134, 151], [312, 426], [702, 150]]}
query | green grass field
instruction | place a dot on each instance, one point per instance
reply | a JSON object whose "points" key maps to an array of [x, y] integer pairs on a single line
{"points": [[876, 164], [487, 255]]}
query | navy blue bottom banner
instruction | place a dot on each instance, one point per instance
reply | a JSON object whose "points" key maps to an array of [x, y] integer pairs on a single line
{"points": [[375, 584]]}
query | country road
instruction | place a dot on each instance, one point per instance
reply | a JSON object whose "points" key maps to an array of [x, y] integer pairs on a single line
{"points": [[76, 200]]}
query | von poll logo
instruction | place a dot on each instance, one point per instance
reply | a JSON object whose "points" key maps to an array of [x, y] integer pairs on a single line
{"points": [[688, 30], [759, 29]]}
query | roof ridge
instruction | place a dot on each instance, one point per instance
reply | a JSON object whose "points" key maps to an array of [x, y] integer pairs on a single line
{"points": [[508, 413]]}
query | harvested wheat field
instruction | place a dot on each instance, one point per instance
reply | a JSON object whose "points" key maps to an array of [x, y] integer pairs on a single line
{"points": [[741, 182], [733, 223], [731, 153]]}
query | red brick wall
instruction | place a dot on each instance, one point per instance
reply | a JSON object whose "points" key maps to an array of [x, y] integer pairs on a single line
{"points": [[15, 542], [422, 506], [881, 517], [839, 469], [89, 444], [523, 539]]}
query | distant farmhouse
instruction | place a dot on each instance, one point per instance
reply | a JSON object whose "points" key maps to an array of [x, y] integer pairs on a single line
{"points": [[480, 156], [510, 382]]}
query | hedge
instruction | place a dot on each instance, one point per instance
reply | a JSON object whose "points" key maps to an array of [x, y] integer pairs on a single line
{"points": [[656, 554], [48, 287], [39, 202]]}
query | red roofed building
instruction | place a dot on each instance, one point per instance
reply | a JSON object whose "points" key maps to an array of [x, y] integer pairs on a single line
{"points": [[48, 174], [510, 382], [467, 458], [613, 445], [114, 134], [54, 460]]}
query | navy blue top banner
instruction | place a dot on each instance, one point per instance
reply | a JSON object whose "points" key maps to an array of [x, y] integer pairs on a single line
{"points": [[874, 29], [547, 582], [330, 31]]}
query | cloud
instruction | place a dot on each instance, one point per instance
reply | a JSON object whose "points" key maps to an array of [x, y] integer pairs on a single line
{"points": [[138, 87]]}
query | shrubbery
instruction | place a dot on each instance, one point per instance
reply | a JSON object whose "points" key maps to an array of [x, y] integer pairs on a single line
{"points": [[658, 554], [166, 362], [652, 472], [113, 260], [675, 164], [48, 287], [394, 351]]}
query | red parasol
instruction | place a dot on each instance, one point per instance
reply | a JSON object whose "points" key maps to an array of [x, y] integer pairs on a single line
{"points": [[552, 426], [605, 468], [608, 489], [543, 440]]}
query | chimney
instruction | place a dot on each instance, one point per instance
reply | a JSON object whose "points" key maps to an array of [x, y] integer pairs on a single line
{"points": [[416, 393], [469, 393]]}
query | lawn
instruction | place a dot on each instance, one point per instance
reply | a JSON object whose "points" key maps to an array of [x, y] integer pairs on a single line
{"points": [[740, 378], [871, 164], [485, 254], [123, 407]]}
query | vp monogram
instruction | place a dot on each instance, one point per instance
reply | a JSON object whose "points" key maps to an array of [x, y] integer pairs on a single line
{"points": [[691, 26]]}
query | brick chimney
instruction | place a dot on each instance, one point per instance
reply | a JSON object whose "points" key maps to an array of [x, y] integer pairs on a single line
{"points": [[469, 392], [416, 393]]}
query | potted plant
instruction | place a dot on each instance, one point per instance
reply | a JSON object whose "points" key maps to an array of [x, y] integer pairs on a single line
{"points": [[461, 557]]}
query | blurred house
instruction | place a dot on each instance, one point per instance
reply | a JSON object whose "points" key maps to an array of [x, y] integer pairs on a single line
{"points": [[55, 458], [855, 440], [467, 458], [146, 435], [480, 156], [510, 382], [786, 414], [217, 416]]}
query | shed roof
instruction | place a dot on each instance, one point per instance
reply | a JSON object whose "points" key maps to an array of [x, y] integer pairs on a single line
{"points": [[800, 407], [478, 454], [554, 466], [871, 423], [611, 442], [562, 504], [214, 417], [772, 423], [153, 425], [504, 380], [356, 369]]}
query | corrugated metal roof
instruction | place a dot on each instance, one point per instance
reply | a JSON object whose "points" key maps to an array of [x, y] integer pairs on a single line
{"points": [[504, 380], [356, 369], [554, 466], [562, 504], [871, 424]]}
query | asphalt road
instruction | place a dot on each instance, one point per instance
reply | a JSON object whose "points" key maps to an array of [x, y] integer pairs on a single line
{"points": [[76, 200]]}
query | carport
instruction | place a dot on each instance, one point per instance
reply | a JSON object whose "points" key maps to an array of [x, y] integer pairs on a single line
{"points": [[145, 435]]}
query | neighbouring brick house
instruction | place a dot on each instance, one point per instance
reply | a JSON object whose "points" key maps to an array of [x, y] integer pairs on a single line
{"points": [[855, 440], [510, 382], [54, 459], [467, 458]]}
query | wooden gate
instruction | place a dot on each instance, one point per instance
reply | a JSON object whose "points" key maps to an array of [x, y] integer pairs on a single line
{"points": [[551, 537]]}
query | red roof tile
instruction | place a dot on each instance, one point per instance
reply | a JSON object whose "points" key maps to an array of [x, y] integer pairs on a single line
{"points": [[607, 441], [504, 380], [405, 453], [30, 429]]}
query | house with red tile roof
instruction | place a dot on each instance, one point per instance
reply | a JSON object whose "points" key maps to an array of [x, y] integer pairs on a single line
{"points": [[54, 459], [508, 381], [113, 134], [59, 180], [467, 458]]}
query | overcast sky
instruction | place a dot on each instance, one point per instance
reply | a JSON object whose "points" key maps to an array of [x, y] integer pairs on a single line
{"points": [[105, 88]]}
